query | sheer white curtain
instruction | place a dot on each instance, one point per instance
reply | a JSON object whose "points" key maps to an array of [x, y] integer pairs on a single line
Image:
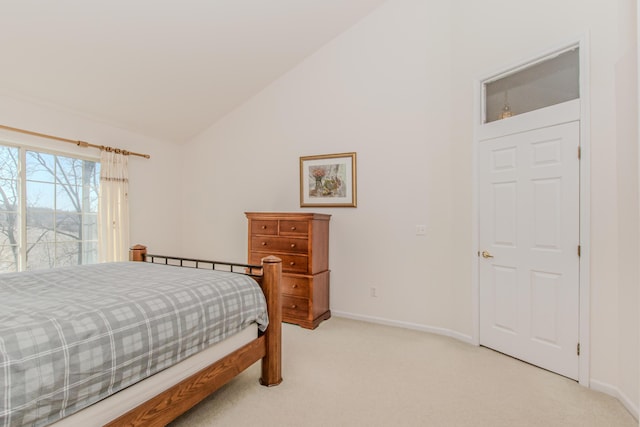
{"points": [[113, 211]]}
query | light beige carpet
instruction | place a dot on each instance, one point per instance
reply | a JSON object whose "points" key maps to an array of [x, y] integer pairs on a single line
{"points": [[350, 373]]}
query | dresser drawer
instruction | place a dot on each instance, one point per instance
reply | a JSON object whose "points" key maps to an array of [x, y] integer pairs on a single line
{"points": [[279, 244], [268, 227], [294, 263], [290, 263], [293, 228], [297, 286], [295, 307]]}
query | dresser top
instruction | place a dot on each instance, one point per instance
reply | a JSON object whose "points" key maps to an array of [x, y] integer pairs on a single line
{"points": [[287, 215]]}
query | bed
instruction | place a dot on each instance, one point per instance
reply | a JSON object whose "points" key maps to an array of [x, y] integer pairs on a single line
{"points": [[128, 361]]}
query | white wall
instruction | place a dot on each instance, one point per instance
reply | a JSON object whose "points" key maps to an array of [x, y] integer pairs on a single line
{"points": [[397, 88], [381, 90], [154, 184], [626, 75]]}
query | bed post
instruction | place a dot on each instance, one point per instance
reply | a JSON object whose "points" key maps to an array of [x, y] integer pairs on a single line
{"points": [[272, 362], [137, 253]]}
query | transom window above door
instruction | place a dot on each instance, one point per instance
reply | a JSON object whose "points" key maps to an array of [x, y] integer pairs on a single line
{"points": [[550, 81]]}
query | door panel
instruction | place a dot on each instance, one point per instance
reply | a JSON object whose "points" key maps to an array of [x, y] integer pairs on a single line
{"points": [[505, 218], [529, 226], [506, 299]]}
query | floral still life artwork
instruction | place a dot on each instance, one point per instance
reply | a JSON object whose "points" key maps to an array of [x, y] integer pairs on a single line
{"points": [[328, 180]]}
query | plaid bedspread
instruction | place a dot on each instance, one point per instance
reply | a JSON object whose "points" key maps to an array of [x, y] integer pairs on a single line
{"points": [[72, 336]]}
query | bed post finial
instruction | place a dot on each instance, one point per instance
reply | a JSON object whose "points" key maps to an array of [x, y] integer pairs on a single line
{"points": [[137, 253]]}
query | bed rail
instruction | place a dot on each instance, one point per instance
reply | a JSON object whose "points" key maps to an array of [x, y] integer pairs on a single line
{"points": [[252, 270], [139, 253]]}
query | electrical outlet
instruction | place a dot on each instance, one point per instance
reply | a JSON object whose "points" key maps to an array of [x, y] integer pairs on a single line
{"points": [[373, 292], [421, 230]]}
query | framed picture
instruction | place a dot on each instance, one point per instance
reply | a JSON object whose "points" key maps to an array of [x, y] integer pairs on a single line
{"points": [[328, 180]]}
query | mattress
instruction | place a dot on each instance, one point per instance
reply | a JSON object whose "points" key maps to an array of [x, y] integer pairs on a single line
{"points": [[72, 336]]}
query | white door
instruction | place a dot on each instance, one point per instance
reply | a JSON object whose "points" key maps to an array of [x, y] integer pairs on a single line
{"points": [[529, 237]]}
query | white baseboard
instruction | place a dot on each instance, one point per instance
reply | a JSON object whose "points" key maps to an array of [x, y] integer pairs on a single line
{"points": [[615, 392], [407, 325]]}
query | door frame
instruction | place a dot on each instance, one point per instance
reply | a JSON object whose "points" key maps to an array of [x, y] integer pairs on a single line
{"points": [[480, 132]]}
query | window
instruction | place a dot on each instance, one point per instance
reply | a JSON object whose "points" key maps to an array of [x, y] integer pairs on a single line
{"points": [[549, 82], [48, 209]]}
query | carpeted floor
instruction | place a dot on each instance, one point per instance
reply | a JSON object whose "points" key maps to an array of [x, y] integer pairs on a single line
{"points": [[350, 373]]}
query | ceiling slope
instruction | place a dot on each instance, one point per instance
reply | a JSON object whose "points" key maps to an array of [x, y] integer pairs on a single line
{"points": [[167, 69]]}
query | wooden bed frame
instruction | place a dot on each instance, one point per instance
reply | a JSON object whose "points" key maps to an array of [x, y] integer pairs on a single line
{"points": [[169, 404]]}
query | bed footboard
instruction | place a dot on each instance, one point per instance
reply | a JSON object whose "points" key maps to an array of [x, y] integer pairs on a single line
{"points": [[173, 402]]}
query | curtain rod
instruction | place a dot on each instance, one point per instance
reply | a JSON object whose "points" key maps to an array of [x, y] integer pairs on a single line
{"points": [[78, 143]]}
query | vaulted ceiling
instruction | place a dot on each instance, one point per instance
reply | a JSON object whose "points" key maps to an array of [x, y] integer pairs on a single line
{"points": [[167, 69]]}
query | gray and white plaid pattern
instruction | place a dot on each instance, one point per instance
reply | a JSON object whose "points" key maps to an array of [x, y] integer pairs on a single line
{"points": [[74, 335]]}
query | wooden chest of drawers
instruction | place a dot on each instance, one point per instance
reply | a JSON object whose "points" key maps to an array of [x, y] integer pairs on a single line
{"points": [[301, 240]]}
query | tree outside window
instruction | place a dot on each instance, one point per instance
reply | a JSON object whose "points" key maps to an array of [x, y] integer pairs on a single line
{"points": [[48, 210]]}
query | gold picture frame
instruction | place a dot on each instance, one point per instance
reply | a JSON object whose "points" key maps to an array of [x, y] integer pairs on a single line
{"points": [[328, 180]]}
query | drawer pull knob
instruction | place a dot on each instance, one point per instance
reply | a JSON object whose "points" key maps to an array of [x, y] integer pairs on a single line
{"points": [[264, 227], [292, 263], [264, 243], [293, 245], [295, 285], [294, 306], [293, 228]]}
